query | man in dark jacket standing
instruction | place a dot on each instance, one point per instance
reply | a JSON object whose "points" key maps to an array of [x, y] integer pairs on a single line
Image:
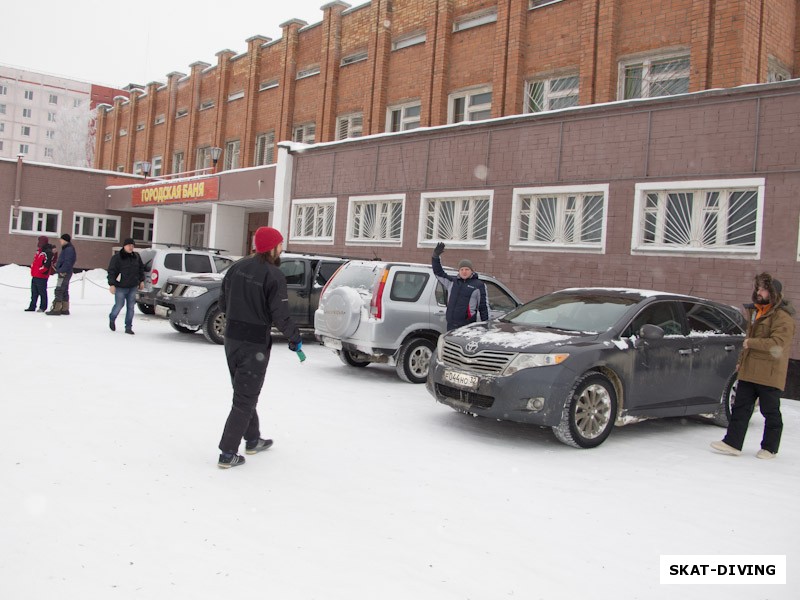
{"points": [[64, 265], [762, 368], [125, 275], [466, 294], [40, 273], [253, 298]]}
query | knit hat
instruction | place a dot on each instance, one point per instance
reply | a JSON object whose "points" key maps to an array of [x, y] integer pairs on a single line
{"points": [[43, 239], [127, 241], [66, 237], [267, 238], [466, 263]]}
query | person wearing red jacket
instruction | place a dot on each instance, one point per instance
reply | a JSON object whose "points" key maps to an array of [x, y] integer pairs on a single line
{"points": [[40, 273]]}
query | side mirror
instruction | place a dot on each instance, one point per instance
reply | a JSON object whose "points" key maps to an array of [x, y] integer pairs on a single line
{"points": [[651, 332]]}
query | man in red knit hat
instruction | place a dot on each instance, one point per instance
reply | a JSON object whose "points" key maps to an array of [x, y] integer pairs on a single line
{"points": [[253, 298]]}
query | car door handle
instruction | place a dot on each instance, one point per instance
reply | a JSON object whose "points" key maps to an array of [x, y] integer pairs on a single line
{"points": [[685, 351], [696, 349], [730, 348]]}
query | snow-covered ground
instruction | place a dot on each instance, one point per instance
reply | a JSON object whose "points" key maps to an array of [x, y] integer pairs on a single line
{"points": [[110, 487]]}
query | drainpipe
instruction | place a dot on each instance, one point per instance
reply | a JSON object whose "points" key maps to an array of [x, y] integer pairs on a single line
{"points": [[18, 186]]}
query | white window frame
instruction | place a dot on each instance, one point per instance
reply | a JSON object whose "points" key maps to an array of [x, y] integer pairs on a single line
{"points": [[303, 131], [777, 71], [3, 127], [159, 120], [265, 148], [349, 126], [123, 132], [236, 96], [181, 112], [53, 99], [207, 105], [468, 110], [51, 117], [25, 130], [48, 152], [233, 152], [309, 72], [549, 95], [50, 134], [268, 85], [28, 94], [24, 149], [107, 137], [564, 213], [454, 242], [534, 4], [483, 17], [3, 90], [140, 127], [647, 78], [2, 109], [695, 249], [27, 113], [409, 40], [146, 226], [39, 221], [315, 209], [156, 165], [203, 158], [383, 204], [178, 161], [100, 226], [356, 57], [403, 120]]}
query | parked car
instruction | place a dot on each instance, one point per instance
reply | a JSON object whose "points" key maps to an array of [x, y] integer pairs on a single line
{"points": [[191, 303], [393, 313], [171, 261], [582, 360]]}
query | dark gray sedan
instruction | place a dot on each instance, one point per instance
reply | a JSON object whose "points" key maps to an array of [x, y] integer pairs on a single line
{"points": [[582, 360]]}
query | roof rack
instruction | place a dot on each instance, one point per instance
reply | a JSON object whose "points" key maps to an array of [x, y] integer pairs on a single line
{"points": [[332, 255], [188, 247]]}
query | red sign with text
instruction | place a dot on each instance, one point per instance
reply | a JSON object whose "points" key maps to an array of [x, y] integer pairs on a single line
{"points": [[174, 193]]}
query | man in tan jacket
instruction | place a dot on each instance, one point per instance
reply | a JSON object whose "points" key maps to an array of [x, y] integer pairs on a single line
{"points": [[762, 368]]}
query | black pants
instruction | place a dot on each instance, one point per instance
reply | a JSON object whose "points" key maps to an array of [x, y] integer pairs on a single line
{"points": [[769, 401], [38, 292], [62, 287], [247, 363]]}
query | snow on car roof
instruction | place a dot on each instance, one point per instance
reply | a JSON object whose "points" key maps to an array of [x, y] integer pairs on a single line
{"points": [[513, 339], [642, 293]]}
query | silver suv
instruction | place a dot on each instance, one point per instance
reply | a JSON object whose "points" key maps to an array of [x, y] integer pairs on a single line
{"points": [[392, 313]]}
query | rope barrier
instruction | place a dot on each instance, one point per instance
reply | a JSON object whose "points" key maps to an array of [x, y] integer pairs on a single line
{"points": [[72, 281]]}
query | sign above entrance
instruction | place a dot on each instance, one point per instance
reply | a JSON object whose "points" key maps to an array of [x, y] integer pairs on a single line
{"points": [[172, 193]]}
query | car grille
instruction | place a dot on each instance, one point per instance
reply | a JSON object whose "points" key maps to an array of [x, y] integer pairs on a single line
{"points": [[485, 361], [470, 398]]}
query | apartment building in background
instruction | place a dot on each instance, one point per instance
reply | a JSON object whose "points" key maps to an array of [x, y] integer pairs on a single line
{"points": [[48, 118], [395, 65]]}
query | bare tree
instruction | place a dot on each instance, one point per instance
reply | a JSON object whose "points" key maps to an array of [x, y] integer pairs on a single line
{"points": [[73, 143]]}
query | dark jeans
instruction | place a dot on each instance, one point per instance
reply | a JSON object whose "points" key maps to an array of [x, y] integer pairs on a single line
{"points": [[247, 363], [62, 287], [769, 401], [124, 296], [38, 292]]}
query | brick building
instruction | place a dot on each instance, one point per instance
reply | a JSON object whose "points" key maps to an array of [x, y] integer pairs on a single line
{"points": [[393, 65]]}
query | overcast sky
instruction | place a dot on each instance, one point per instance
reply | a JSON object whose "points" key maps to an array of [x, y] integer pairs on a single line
{"points": [[100, 42]]}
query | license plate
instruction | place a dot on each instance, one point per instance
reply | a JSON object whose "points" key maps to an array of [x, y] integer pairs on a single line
{"points": [[162, 311], [461, 379], [332, 343]]}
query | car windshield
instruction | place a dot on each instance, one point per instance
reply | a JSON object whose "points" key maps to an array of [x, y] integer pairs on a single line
{"points": [[357, 276], [572, 311]]}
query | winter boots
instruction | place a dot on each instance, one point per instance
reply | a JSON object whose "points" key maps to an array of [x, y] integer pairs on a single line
{"points": [[56, 309], [65, 308], [724, 448]]}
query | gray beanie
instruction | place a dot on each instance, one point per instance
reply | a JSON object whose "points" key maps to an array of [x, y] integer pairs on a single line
{"points": [[466, 263]]}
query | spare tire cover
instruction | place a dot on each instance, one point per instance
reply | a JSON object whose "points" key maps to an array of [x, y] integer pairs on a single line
{"points": [[342, 310]]}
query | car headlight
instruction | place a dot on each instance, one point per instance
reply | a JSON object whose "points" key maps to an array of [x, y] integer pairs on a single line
{"points": [[527, 361], [440, 348], [193, 291]]}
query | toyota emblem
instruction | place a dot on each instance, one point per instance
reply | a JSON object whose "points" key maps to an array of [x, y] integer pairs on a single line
{"points": [[471, 347]]}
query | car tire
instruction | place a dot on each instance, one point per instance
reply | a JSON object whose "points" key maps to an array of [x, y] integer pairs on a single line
{"points": [[342, 312], [589, 412], [723, 415], [147, 309], [414, 360], [349, 358], [214, 325], [181, 328]]}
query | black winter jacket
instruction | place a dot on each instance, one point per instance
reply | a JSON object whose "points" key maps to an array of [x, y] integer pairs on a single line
{"points": [[466, 298], [125, 270], [66, 260], [254, 298]]}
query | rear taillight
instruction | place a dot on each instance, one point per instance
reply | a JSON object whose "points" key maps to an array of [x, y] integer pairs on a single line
{"points": [[154, 276], [376, 304]]}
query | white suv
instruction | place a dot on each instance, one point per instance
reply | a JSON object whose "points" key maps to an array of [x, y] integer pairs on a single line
{"points": [[162, 263], [393, 313]]}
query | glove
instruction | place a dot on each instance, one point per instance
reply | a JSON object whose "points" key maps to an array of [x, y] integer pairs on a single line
{"points": [[296, 347], [437, 251]]}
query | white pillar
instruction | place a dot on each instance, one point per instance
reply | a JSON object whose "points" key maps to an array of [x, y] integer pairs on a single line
{"points": [[282, 211], [228, 228], [167, 226]]}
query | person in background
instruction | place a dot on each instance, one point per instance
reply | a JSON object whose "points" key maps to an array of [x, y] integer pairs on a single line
{"points": [[253, 298], [64, 265], [40, 273], [125, 276], [466, 294], [762, 367]]}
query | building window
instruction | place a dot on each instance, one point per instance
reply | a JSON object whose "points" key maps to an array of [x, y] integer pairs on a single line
{"points": [[76, 103], [539, 3], [349, 126], [2, 109], [2, 127], [96, 227], [354, 58], [720, 217], [36, 220], [107, 137], [181, 112], [304, 133], [652, 77], [1, 141], [27, 113], [410, 40], [375, 219], [51, 117], [204, 160], [462, 218], [206, 105], [50, 134], [137, 167], [48, 153], [25, 130], [24, 148], [140, 127], [232, 155], [236, 96], [265, 148], [475, 20], [551, 94], [268, 85], [197, 235], [569, 218], [776, 71], [159, 120], [3, 90], [142, 230], [403, 117], [310, 72], [178, 162], [28, 94], [312, 220], [157, 166], [471, 105], [53, 99]]}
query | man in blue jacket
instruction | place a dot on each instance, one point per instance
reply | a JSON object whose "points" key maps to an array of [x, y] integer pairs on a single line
{"points": [[64, 266], [466, 294]]}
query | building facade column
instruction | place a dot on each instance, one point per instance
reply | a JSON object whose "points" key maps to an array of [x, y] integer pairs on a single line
{"points": [[508, 78], [197, 69], [169, 119], [440, 36], [287, 83], [248, 151], [329, 68]]}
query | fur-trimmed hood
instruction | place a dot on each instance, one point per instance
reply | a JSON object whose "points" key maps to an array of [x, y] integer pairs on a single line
{"points": [[775, 289]]}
